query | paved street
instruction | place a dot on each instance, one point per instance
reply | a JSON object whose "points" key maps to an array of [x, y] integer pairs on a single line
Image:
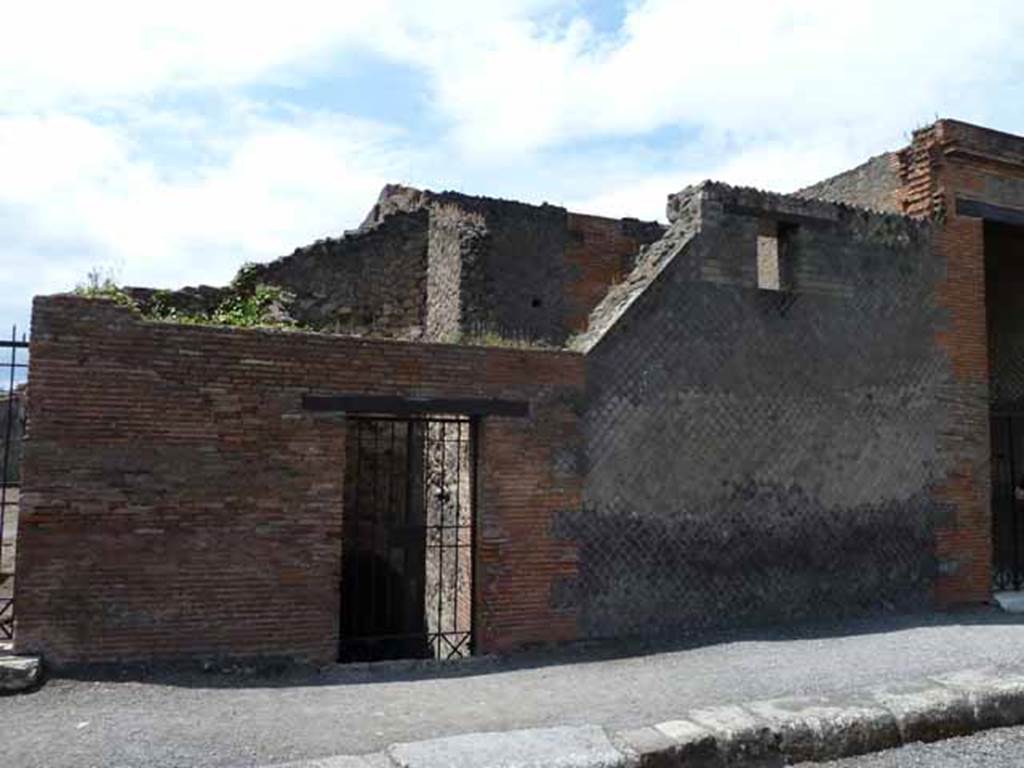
{"points": [[236, 720], [1002, 748]]}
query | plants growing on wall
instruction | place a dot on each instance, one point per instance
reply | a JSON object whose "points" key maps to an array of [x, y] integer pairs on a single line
{"points": [[100, 284], [247, 304], [261, 306]]}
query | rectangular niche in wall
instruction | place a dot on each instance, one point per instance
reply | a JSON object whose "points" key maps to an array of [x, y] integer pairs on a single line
{"points": [[772, 243]]}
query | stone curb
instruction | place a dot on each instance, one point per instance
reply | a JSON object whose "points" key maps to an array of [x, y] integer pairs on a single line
{"points": [[773, 732]]}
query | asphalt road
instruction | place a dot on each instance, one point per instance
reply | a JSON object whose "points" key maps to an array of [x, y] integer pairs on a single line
{"points": [[214, 720], [1002, 748]]}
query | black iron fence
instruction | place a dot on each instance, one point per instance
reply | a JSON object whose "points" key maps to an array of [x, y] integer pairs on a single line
{"points": [[1007, 435], [14, 369], [407, 580]]}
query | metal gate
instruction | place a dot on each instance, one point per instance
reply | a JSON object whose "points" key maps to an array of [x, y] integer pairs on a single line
{"points": [[1007, 433], [13, 364], [408, 538]]}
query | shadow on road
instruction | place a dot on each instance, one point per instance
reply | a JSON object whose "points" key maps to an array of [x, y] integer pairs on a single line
{"points": [[270, 673]]}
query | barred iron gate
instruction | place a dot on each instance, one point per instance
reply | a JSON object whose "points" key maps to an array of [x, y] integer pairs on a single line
{"points": [[13, 364], [1007, 432], [407, 538]]}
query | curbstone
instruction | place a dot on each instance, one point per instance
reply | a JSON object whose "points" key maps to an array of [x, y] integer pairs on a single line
{"points": [[928, 712], [647, 747], [340, 761], [670, 744], [693, 744], [816, 728], [740, 735], [586, 746], [997, 695], [767, 733], [19, 673]]}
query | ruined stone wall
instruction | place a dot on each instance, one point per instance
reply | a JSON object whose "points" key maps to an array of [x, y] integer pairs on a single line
{"points": [[514, 276], [371, 282], [178, 502], [875, 184], [538, 271], [455, 236], [504, 269], [442, 267], [600, 253], [759, 456]]}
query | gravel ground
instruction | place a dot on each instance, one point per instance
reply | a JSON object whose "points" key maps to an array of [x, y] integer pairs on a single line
{"points": [[178, 719], [1002, 748]]}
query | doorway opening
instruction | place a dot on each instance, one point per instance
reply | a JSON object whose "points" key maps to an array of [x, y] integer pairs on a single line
{"points": [[408, 538], [1004, 289]]}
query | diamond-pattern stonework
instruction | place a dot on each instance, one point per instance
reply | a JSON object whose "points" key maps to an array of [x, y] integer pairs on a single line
{"points": [[757, 456]]}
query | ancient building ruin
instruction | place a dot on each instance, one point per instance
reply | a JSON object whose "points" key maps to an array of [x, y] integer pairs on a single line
{"points": [[445, 267], [774, 407]]}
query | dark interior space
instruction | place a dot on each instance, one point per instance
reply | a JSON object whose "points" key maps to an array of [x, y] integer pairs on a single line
{"points": [[1004, 287], [406, 588]]}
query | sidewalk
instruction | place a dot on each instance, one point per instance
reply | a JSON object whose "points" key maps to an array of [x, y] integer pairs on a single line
{"points": [[239, 720]]}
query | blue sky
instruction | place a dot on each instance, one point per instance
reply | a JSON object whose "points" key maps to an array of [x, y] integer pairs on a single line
{"points": [[168, 143]]}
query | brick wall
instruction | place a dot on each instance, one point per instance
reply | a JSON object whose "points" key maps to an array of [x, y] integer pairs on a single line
{"points": [[601, 252], [178, 502], [947, 162], [1004, 285]]}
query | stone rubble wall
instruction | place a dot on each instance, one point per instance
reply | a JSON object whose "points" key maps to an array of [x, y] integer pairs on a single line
{"points": [[758, 455], [443, 267], [369, 282], [875, 185]]}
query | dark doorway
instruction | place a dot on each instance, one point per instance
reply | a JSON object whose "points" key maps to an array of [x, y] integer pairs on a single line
{"points": [[407, 539], [13, 400], [1007, 525], [1004, 299]]}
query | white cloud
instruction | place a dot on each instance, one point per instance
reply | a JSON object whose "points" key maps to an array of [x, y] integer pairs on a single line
{"points": [[781, 166], [772, 94], [749, 70], [78, 195], [60, 52], [510, 80]]}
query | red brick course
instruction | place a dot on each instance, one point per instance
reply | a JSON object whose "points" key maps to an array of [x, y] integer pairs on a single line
{"points": [[601, 253], [178, 502], [945, 161]]}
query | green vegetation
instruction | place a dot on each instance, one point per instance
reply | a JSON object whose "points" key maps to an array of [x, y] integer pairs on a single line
{"points": [[100, 284], [491, 338], [251, 309], [247, 305]]}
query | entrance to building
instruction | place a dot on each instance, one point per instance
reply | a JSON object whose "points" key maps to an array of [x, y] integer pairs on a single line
{"points": [[1004, 287], [408, 538], [1007, 433], [13, 366]]}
